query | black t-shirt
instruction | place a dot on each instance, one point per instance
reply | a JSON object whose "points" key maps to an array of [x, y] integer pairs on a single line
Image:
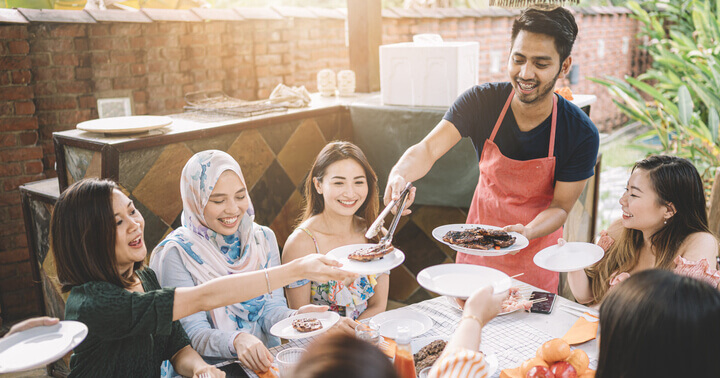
{"points": [[475, 112]]}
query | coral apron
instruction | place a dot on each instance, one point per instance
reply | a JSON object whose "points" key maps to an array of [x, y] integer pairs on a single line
{"points": [[509, 192]]}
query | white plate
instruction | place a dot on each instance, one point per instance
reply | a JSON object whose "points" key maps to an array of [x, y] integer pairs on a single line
{"points": [[570, 257], [389, 261], [285, 330], [40, 346], [461, 280], [124, 125], [389, 321], [417, 344], [520, 240]]}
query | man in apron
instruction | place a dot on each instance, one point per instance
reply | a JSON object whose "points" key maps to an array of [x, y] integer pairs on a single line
{"points": [[535, 149]]}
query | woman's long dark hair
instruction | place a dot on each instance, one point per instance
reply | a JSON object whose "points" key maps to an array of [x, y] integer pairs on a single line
{"points": [[83, 234], [676, 181], [331, 153], [659, 324], [341, 355]]}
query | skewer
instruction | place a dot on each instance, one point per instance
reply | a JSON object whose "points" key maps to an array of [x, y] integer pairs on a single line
{"points": [[538, 300], [517, 275]]}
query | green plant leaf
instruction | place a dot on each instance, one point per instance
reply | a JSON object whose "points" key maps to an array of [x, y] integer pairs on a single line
{"points": [[685, 105], [713, 122]]}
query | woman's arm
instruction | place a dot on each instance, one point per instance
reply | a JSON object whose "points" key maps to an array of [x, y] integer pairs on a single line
{"points": [[223, 291], [378, 302], [276, 308], [298, 245], [580, 286], [206, 340], [187, 362]]}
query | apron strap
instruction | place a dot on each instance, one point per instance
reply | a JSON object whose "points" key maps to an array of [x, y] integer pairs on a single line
{"points": [[551, 149], [502, 115]]}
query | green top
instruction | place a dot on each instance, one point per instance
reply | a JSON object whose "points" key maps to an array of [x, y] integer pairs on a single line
{"points": [[129, 334]]}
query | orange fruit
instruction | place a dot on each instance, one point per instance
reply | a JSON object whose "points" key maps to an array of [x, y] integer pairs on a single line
{"points": [[587, 374], [529, 364], [555, 350], [538, 354], [579, 360]]}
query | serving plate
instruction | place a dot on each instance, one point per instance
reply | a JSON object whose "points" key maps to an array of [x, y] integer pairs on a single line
{"points": [[520, 240], [285, 330], [570, 257], [40, 346], [462, 280], [386, 263]]}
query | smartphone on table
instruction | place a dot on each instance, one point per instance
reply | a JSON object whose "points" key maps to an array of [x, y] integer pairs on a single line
{"points": [[545, 306]]}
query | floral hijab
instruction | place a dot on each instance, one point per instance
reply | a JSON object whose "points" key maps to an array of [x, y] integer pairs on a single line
{"points": [[208, 254]]}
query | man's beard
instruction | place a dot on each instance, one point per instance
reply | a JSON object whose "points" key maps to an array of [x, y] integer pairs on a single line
{"points": [[542, 91]]}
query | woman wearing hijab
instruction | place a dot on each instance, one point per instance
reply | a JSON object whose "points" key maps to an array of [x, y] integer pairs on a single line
{"points": [[218, 237]]}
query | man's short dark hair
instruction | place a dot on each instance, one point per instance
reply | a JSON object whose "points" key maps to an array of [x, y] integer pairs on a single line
{"points": [[558, 23]]}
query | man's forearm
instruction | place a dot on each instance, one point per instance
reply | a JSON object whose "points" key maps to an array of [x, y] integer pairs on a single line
{"points": [[546, 222]]}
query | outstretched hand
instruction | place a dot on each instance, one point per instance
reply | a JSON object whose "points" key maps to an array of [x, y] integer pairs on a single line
{"points": [[395, 186], [32, 323], [321, 268]]}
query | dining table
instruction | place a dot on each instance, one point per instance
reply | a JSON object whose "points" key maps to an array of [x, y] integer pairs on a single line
{"points": [[512, 338]]}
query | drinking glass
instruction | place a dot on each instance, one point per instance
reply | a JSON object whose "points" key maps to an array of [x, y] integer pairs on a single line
{"points": [[287, 359], [369, 332]]}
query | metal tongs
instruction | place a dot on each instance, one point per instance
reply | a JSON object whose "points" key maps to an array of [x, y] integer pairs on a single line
{"points": [[377, 225]]}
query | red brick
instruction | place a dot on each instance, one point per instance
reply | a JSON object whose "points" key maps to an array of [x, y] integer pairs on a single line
{"points": [[68, 59], [16, 93], [73, 87], [81, 44], [27, 138], [40, 60], [16, 284], [14, 62], [109, 43], [10, 184], [140, 109], [68, 30], [18, 123], [56, 103], [125, 29], [83, 73], [24, 107], [20, 154], [137, 43], [53, 73], [125, 56], [4, 78], [139, 96], [138, 69], [10, 169], [15, 212], [14, 255], [98, 30], [21, 77], [9, 199], [172, 53], [18, 47], [86, 102], [52, 45], [13, 32], [70, 118], [100, 57], [130, 82], [33, 167], [7, 140]]}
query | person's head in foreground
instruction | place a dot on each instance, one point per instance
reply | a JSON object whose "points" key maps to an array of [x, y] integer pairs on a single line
{"points": [[340, 355], [542, 40], [659, 324]]}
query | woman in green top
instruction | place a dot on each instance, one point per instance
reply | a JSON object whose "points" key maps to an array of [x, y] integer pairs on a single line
{"points": [[97, 239]]}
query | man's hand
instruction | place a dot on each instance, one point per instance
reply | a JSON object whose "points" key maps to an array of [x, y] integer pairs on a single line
{"points": [[396, 184], [252, 352]]}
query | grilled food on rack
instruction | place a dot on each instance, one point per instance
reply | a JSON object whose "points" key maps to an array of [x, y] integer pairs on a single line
{"points": [[371, 253], [429, 354], [306, 324], [480, 238]]}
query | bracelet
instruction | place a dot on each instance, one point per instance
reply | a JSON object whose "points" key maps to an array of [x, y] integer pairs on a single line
{"points": [[473, 317], [267, 280]]}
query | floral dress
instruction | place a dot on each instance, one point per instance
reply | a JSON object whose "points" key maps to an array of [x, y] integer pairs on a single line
{"points": [[350, 301]]}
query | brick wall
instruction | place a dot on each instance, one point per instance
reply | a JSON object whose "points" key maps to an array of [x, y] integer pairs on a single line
{"points": [[54, 65]]}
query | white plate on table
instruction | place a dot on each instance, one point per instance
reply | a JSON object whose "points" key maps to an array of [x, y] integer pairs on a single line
{"points": [[520, 240], [387, 262], [285, 330], [389, 321], [124, 125], [462, 280], [570, 257], [40, 346]]}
